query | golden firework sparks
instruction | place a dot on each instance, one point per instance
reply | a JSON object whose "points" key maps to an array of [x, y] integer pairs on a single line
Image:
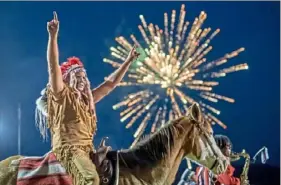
{"points": [[173, 61]]}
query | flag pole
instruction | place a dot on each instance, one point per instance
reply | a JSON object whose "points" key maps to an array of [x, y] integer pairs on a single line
{"points": [[1, 125], [19, 129]]}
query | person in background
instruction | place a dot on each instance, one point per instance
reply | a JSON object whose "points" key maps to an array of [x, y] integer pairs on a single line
{"points": [[202, 175]]}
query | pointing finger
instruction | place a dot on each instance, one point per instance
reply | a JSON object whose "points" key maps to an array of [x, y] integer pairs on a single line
{"points": [[134, 47], [55, 16]]}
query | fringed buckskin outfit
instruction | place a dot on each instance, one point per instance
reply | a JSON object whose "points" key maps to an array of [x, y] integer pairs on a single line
{"points": [[71, 119], [72, 126]]}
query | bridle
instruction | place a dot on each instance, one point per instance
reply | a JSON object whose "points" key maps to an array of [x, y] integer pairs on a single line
{"points": [[202, 130]]}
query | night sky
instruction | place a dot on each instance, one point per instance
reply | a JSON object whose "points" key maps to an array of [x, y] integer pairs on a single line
{"points": [[88, 29]]}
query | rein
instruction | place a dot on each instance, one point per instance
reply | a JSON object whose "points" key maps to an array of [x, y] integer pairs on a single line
{"points": [[205, 133]]}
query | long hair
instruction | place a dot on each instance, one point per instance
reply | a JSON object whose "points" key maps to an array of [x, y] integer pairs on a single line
{"points": [[68, 70], [41, 112]]}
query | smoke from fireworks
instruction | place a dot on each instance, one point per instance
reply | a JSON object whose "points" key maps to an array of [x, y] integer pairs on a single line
{"points": [[175, 61]]}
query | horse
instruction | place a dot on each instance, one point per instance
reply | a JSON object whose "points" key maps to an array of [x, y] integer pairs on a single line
{"points": [[155, 160]]}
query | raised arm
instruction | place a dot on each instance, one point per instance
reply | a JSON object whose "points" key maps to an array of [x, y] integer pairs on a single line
{"points": [[115, 78], [55, 75]]}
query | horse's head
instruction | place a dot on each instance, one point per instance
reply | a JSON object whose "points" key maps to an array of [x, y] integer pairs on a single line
{"points": [[200, 145]]}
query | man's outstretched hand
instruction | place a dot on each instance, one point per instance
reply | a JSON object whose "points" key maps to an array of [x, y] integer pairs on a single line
{"points": [[53, 26], [133, 54]]}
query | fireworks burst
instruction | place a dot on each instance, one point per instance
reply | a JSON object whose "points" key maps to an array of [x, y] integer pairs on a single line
{"points": [[175, 61]]}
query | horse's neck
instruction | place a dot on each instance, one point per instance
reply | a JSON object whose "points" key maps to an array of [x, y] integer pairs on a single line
{"points": [[165, 171], [174, 164], [170, 165]]}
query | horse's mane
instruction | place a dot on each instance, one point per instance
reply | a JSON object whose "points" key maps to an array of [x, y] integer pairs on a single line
{"points": [[150, 149]]}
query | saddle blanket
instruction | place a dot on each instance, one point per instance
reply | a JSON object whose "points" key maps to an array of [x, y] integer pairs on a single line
{"points": [[44, 170]]}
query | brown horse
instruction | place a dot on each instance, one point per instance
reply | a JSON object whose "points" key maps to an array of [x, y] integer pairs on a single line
{"points": [[155, 160]]}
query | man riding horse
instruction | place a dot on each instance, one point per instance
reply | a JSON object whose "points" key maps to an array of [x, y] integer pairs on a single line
{"points": [[71, 109], [68, 103], [154, 160]]}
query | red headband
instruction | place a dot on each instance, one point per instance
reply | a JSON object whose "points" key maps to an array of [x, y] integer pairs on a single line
{"points": [[71, 64]]}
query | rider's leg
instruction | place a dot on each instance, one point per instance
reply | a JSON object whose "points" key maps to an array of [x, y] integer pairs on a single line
{"points": [[78, 164], [85, 171]]}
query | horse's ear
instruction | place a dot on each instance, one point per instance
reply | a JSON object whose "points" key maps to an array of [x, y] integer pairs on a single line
{"points": [[195, 112]]}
